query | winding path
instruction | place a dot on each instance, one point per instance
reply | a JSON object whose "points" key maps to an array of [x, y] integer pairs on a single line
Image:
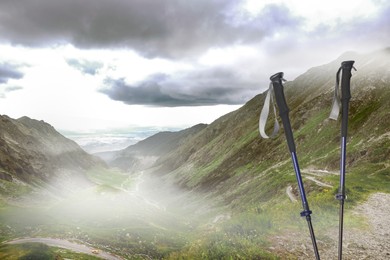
{"points": [[79, 248], [290, 194], [314, 173], [319, 183], [135, 192], [318, 173], [368, 240]]}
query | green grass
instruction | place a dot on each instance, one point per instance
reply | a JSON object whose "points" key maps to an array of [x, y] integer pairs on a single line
{"points": [[13, 190], [243, 237], [109, 177]]}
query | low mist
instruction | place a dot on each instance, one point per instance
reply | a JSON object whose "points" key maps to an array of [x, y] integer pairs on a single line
{"points": [[126, 214]]}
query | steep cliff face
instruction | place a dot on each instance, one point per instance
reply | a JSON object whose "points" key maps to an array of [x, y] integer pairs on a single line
{"points": [[33, 150]]}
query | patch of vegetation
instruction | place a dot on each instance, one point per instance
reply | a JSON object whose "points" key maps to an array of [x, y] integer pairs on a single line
{"points": [[110, 177], [361, 114], [223, 247], [241, 238], [13, 190]]}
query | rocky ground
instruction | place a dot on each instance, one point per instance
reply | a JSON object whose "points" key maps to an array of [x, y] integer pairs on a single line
{"points": [[370, 242]]}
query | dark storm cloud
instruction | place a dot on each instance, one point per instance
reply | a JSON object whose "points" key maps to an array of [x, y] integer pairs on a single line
{"points": [[174, 28], [85, 66], [8, 71], [196, 88], [146, 93]]}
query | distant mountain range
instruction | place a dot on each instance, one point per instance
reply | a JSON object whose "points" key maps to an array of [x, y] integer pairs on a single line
{"points": [[145, 153]]}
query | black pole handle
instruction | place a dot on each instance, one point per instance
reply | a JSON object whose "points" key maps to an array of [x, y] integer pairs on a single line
{"points": [[346, 67], [276, 80]]}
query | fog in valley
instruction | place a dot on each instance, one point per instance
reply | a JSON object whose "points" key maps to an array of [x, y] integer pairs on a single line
{"points": [[124, 214]]}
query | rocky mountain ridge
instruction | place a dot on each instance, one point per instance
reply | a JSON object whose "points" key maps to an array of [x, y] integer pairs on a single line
{"points": [[33, 151]]}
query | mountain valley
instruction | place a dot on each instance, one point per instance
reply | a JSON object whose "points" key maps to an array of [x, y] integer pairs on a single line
{"points": [[214, 191]]}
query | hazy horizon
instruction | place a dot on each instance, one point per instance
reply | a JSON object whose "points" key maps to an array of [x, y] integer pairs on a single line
{"points": [[113, 139]]}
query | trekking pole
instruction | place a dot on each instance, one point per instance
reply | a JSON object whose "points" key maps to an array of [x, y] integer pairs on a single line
{"points": [[277, 86], [345, 69]]}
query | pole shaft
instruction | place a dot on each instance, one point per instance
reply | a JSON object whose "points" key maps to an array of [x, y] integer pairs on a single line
{"points": [[313, 240], [345, 97], [298, 176], [341, 229], [284, 114], [306, 210]]}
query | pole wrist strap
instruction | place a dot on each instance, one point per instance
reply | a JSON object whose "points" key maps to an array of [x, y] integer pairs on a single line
{"points": [[334, 113], [269, 101]]}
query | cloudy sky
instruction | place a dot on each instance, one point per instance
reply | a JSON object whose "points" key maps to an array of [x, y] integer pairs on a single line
{"points": [[102, 64]]}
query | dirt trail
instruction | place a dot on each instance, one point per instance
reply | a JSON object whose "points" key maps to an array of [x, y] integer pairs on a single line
{"points": [[370, 242], [312, 173], [136, 192], [318, 173], [79, 248], [290, 194], [319, 183]]}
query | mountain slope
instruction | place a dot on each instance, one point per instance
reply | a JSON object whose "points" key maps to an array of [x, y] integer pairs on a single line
{"points": [[33, 151], [229, 159]]}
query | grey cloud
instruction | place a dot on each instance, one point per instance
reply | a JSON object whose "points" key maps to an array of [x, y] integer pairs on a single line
{"points": [[8, 71], [174, 28], [196, 88], [304, 49], [85, 66], [147, 93], [370, 31], [374, 30], [14, 88], [8, 89]]}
